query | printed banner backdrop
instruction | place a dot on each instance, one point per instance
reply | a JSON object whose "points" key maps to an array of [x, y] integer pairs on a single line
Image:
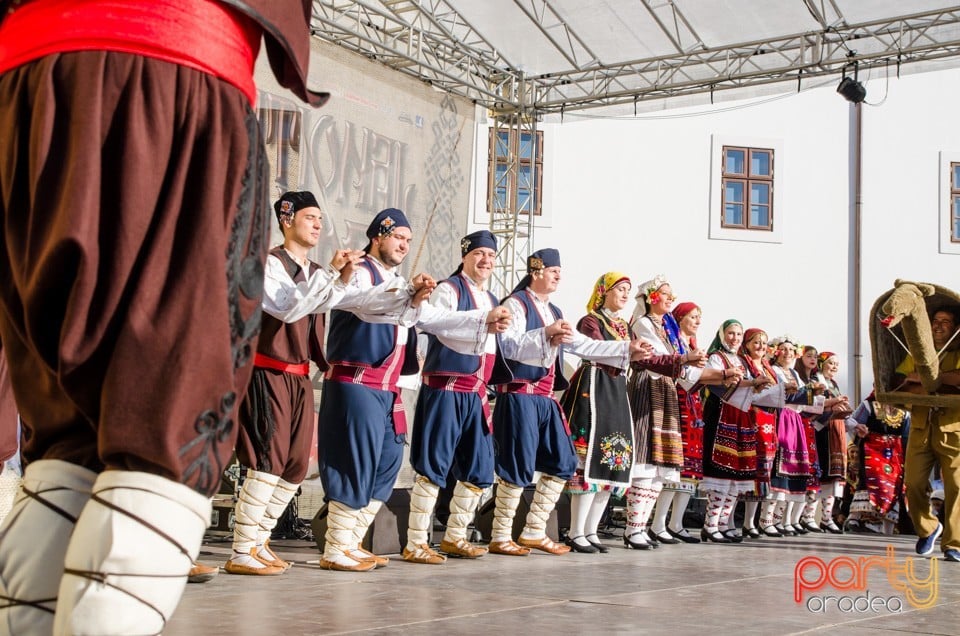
{"points": [[383, 140]]}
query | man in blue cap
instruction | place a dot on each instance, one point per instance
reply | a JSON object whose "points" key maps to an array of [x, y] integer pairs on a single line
{"points": [[529, 429], [452, 427], [362, 420]]}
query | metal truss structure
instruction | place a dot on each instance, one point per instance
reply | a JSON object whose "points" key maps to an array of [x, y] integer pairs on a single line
{"points": [[433, 41]]}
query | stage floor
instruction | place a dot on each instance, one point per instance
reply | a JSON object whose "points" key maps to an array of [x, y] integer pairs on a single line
{"points": [[676, 589]]}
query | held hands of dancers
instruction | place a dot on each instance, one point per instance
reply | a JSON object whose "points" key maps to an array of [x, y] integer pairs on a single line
{"points": [[498, 320], [423, 285], [697, 358], [344, 261], [640, 350], [559, 332]]}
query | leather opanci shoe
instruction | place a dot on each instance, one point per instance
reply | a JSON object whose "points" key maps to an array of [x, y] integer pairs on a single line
{"points": [[544, 544], [509, 547], [463, 549], [355, 566], [423, 553]]}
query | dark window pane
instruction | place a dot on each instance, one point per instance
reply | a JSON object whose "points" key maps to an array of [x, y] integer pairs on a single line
{"points": [[956, 229], [955, 176], [760, 193], [759, 216], [526, 148], [734, 161], [733, 191], [733, 214], [759, 163], [503, 144]]}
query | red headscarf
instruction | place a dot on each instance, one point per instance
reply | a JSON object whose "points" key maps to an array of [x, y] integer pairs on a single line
{"points": [[679, 313]]}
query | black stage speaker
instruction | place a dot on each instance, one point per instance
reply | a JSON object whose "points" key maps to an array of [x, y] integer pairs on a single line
{"points": [[557, 525], [388, 532]]}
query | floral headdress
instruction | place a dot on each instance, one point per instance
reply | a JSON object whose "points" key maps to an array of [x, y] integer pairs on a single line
{"points": [[604, 284]]}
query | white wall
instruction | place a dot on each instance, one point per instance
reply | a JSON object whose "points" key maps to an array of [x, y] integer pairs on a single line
{"points": [[634, 195]]}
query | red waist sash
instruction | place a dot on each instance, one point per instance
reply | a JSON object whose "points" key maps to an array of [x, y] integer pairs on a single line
{"points": [[206, 36]]}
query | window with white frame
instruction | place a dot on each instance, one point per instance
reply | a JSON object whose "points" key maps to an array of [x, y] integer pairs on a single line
{"points": [[747, 188], [747, 193]]}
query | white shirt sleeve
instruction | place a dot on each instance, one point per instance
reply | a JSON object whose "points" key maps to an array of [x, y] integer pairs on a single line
{"points": [[527, 347], [386, 303], [289, 301], [614, 353], [462, 331]]}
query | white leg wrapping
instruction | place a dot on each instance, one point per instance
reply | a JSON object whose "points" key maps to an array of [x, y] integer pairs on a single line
{"points": [[711, 521], [365, 518], [580, 506], [507, 501], [128, 558], [423, 498], [766, 513], [252, 502], [750, 513], [597, 508], [279, 500], [810, 508], [680, 501], [664, 501], [33, 543], [796, 516], [548, 491], [340, 537], [9, 487], [463, 509], [726, 512], [788, 514], [636, 507]]}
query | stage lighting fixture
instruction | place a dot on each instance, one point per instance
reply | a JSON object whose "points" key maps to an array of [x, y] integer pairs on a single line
{"points": [[852, 90]]}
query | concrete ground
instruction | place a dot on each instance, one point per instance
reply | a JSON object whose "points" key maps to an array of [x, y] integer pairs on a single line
{"points": [[676, 589]]}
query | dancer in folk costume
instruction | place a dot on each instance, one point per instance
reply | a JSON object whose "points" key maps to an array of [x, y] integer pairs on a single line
{"points": [[530, 431], [806, 367], [878, 481], [453, 426], [133, 198], [688, 316], [654, 404], [362, 421], [791, 465], [729, 433], [831, 434], [277, 415], [598, 412]]}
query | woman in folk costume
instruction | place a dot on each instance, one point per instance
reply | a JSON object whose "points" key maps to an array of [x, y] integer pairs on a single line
{"points": [[598, 413], [791, 469], [754, 354], [653, 402], [688, 316], [831, 433], [729, 433], [881, 431], [806, 367]]}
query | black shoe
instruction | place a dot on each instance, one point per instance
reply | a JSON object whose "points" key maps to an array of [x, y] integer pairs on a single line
{"points": [[633, 545], [770, 531], [810, 526], [732, 535], [799, 529], [753, 533], [661, 537], [714, 536], [831, 527], [783, 531], [576, 547], [683, 535], [599, 546]]}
